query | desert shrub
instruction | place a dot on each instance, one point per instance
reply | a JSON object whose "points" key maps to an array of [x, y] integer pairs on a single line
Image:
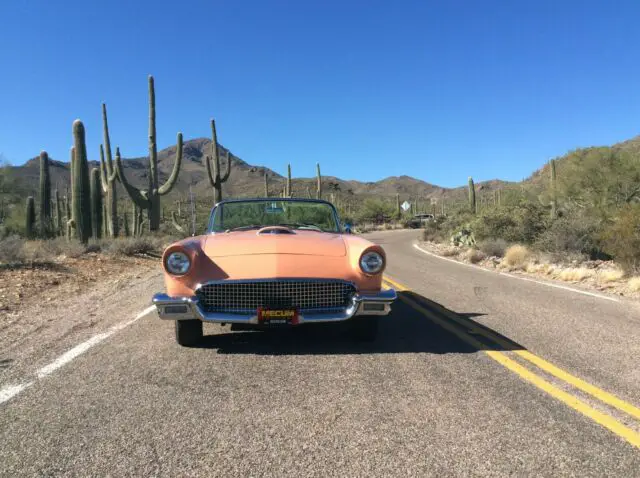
{"points": [[493, 247], [474, 255], [131, 246], [634, 284], [12, 250], [434, 230], [522, 223], [517, 256], [376, 211], [571, 234], [496, 223], [450, 251], [621, 239]]}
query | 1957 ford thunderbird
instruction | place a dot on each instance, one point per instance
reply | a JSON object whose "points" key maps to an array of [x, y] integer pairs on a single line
{"points": [[273, 262]]}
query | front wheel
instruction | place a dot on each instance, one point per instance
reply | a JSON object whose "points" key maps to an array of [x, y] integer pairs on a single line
{"points": [[188, 332], [364, 329]]}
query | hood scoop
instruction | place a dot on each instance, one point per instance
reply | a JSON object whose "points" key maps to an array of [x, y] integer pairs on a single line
{"points": [[274, 230]]}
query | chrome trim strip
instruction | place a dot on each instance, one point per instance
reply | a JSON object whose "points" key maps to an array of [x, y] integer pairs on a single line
{"points": [[384, 297]]}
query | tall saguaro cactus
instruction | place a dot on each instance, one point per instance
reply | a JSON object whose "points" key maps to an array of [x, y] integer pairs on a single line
{"points": [[215, 178], [554, 198], [81, 189], [96, 204], [30, 218], [472, 196], [287, 190], [319, 182], [149, 198], [45, 195], [266, 185], [398, 210], [108, 178]]}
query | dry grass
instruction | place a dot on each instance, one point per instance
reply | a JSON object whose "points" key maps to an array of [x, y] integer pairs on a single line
{"points": [[610, 275], [575, 274], [634, 284], [517, 256], [473, 255]]}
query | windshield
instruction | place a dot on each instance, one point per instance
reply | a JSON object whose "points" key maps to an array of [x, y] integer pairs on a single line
{"points": [[255, 214]]}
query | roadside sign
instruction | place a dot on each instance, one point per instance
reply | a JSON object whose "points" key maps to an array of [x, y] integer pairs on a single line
{"points": [[405, 206]]}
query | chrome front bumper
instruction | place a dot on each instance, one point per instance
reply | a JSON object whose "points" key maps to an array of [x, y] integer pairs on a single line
{"points": [[185, 308]]}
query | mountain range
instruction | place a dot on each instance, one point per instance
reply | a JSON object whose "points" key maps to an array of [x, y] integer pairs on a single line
{"points": [[248, 180]]}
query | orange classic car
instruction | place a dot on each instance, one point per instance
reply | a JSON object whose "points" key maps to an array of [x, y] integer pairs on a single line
{"points": [[271, 262]]}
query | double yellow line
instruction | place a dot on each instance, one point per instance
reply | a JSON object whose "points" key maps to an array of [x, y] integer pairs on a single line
{"points": [[460, 326]]}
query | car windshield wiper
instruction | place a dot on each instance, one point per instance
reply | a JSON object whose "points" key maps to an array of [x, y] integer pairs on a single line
{"points": [[298, 225], [245, 228]]}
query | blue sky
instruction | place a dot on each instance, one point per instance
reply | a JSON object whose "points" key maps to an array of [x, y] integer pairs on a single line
{"points": [[439, 90]]}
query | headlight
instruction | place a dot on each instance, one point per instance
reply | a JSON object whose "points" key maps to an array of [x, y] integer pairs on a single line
{"points": [[371, 262], [178, 263]]}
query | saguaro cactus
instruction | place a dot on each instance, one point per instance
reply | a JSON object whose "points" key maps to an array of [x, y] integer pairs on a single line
{"points": [[215, 179], [134, 217], [398, 210], [30, 218], [125, 224], [58, 213], [149, 198], [472, 196], [45, 195], [81, 189], [287, 191], [96, 204], [554, 198], [319, 180], [108, 178], [266, 185]]}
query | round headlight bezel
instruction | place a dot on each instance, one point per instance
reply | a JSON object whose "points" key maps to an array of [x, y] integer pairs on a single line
{"points": [[363, 263], [170, 266]]}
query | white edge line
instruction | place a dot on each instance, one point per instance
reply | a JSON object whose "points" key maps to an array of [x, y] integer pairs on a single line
{"points": [[557, 286], [10, 391]]}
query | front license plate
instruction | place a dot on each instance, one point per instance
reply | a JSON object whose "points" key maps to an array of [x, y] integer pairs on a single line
{"points": [[278, 316]]}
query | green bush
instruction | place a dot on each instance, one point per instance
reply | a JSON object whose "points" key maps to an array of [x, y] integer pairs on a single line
{"points": [[571, 234], [621, 238], [522, 223], [375, 211]]}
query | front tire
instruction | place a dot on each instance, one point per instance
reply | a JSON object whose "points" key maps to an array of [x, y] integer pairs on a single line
{"points": [[364, 329], [188, 332]]}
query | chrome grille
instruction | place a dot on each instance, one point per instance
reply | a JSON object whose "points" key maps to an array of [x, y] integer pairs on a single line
{"points": [[247, 296]]}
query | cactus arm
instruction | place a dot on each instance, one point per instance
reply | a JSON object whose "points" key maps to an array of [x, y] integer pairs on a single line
{"points": [[226, 174], [210, 174], [174, 221], [103, 172], [107, 143], [213, 173], [166, 187], [137, 196]]}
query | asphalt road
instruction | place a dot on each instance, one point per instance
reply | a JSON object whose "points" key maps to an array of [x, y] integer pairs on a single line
{"points": [[473, 374]]}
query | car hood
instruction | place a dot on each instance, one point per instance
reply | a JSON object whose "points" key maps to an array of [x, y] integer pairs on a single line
{"points": [[241, 243]]}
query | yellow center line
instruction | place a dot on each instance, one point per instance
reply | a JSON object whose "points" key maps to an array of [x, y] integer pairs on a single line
{"points": [[601, 418], [543, 364]]}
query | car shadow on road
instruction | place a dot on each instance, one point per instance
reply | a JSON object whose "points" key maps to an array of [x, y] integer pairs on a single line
{"points": [[405, 330]]}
